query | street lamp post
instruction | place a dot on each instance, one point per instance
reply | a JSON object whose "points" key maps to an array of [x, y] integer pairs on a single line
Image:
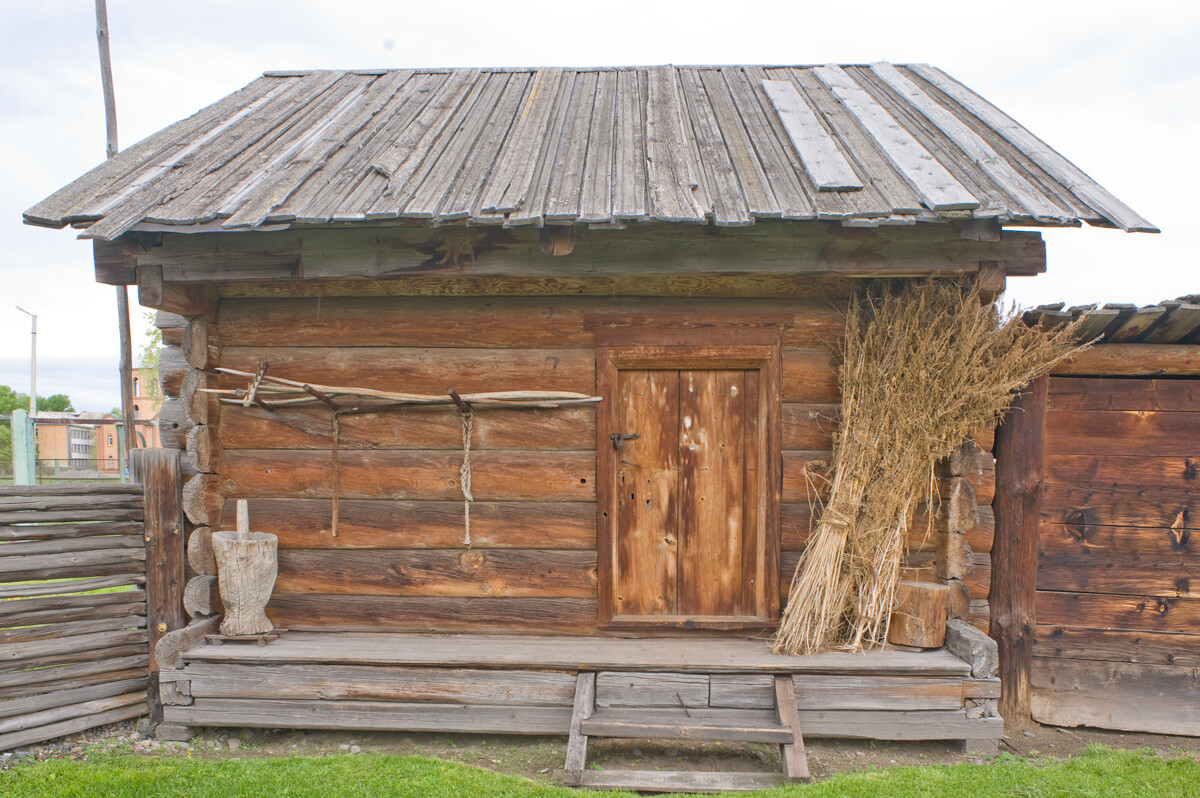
{"points": [[32, 363]]}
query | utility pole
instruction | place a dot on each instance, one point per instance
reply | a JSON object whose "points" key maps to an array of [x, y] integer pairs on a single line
{"points": [[110, 126], [32, 363]]}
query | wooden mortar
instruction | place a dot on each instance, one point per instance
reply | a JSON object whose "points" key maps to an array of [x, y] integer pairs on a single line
{"points": [[247, 563]]}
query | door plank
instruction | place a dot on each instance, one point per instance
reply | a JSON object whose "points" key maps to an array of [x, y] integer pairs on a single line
{"points": [[711, 493], [646, 545]]}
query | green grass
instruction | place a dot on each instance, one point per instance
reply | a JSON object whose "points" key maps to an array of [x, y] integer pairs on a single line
{"points": [[1099, 772]]}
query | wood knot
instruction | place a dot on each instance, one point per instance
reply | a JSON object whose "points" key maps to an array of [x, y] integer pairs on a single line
{"points": [[1190, 469], [471, 560]]}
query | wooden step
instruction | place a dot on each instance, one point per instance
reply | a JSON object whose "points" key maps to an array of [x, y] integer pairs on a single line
{"points": [[679, 780], [603, 724]]}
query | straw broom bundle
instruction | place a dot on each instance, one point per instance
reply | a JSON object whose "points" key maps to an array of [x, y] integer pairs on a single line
{"points": [[923, 365]]}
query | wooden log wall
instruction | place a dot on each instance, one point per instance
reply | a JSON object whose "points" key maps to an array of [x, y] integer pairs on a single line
{"points": [[1117, 601], [73, 623], [399, 561]]}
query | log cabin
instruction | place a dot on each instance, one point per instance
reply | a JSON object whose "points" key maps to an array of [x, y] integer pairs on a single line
{"points": [[676, 242]]}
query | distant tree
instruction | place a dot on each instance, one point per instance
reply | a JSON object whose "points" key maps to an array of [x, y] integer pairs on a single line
{"points": [[5, 447], [58, 403], [150, 355], [11, 400]]}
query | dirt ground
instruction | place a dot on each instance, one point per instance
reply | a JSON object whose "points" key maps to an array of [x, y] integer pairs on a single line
{"points": [[538, 757]]}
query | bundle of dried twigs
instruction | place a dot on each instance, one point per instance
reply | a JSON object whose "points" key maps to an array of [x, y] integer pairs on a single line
{"points": [[924, 364]]}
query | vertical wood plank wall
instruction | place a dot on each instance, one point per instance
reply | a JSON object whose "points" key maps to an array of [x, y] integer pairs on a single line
{"points": [[399, 562], [1118, 600]]}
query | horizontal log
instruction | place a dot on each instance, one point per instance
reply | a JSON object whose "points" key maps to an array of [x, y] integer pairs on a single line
{"points": [[982, 479], [60, 647], [201, 596], [625, 689], [62, 516], [356, 682], [1111, 645], [685, 285], [1133, 360], [201, 344], [74, 489], [1088, 506], [490, 322], [1162, 474], [70, 545], [16, 607], [50, 661], [44, 717], [632, 723], [808, 426], [104, 674], [204, 449], [481, 573], [200, 555], [70, 629], [172, 369], [1090, 393], [804, 250], [63, 698], [70, 564], [1094, 544], [571, 427], [372, 524], [804, 475], [68, 586], [809, 376], [981, 536], [202, 499], [173, 425], [816, 692], [53, 503], [797, 520], [1167, 576], [425, 370], [1135, 613], [1161, 699], [497, 475], [375, 715], [56, 531], [1122, 432], [45, 679], [425, 614], [171, 326], [88, 721]]}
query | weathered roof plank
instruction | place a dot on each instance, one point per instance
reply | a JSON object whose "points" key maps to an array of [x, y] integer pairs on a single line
{"points": [[863, 144]]}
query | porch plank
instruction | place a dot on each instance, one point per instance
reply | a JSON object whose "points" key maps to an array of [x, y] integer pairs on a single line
{"points": [[670, 654], [632, 724], [679, 780], [374, 715], [366, 682]]}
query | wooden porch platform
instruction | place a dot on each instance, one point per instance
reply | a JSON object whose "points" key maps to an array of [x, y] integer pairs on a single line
{"points": [[507, 684], [517, 652]]}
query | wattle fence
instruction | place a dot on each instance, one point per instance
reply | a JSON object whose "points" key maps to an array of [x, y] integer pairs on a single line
{"points": [[74, 639]]}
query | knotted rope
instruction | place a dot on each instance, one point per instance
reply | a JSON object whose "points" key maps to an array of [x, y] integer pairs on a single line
{"points": [[464, 473]]}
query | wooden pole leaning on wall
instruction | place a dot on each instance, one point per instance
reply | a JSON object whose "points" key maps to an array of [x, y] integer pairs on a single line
{"points": [[158, 471], [1020, 449]]}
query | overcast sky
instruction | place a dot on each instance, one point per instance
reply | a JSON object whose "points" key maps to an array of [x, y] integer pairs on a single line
{"points": [[1114, 86]]}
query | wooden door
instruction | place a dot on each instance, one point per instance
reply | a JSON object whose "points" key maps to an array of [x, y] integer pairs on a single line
{"points": [[688, 529]]}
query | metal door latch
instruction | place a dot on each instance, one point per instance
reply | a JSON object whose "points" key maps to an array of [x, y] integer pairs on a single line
{"points": [[619, 438]]}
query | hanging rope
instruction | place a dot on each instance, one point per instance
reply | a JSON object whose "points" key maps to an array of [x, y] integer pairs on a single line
{"points": [[464, 473]]}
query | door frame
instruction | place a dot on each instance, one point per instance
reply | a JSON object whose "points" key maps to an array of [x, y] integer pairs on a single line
{"points": [[700, 348]]}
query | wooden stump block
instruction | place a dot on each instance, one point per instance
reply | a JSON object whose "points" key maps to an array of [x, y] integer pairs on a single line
{"points": [[919, 618]]}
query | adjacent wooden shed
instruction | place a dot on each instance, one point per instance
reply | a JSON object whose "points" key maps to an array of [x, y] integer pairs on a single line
{"points": [[1109, 605], [673, 241]]}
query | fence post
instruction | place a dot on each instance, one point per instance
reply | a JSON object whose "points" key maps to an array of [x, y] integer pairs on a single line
{"points": [[158, 471], [24, 441]]}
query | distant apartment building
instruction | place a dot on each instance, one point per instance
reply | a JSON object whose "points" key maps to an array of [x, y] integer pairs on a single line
{"points": [[94, 444]]}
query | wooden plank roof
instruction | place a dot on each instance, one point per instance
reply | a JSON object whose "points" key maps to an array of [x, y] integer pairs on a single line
{"points": [[1169, 322], [867, 145]]}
